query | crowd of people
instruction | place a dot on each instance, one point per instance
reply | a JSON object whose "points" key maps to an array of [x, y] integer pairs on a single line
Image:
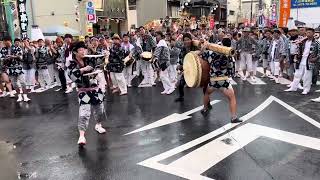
{"points": [[94, 64]]}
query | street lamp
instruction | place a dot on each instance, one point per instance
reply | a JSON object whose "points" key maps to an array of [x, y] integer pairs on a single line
{"points": [[7, 6]]}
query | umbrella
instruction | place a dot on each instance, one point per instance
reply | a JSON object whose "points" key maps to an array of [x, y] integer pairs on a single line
{"points": [[61, 30]]}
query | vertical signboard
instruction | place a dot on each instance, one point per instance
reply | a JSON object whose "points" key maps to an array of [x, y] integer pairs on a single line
{"points": [[285, 6], [91, 12], [23, 18]]}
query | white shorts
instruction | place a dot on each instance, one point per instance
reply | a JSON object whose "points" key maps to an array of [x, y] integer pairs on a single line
{"points": [[246, 61]]}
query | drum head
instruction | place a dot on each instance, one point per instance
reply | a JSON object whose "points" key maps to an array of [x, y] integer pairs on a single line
{"points": [[146, 55], [192, 70]]}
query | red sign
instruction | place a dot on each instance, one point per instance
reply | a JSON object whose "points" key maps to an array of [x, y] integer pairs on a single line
{"points": [[212, 23], [91, 17]]}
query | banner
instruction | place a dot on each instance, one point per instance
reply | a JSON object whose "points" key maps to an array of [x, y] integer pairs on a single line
{"points": [[305, 3], [284, 12], [23, 18]]}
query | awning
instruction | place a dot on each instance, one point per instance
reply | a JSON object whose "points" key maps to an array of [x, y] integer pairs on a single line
{"points": [[60, 30]]}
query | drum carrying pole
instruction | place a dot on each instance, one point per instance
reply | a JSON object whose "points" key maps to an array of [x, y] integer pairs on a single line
{"points": [[228, 51]]}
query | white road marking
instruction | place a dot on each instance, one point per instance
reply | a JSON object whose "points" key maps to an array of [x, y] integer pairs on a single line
{"points": [[258, 81], [192, 165], [282, 81], [173, 118], [233, 82]]}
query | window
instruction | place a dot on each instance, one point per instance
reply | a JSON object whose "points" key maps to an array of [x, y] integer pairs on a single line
{"points": [[231, 13], [98, 4]]}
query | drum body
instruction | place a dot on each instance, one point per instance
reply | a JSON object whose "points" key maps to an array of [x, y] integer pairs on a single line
{"points": [[128, 61], [146, 56], [196, 71]]}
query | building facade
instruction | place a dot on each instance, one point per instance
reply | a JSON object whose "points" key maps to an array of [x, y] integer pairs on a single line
{"points": [[143, 11], [307, 12]]}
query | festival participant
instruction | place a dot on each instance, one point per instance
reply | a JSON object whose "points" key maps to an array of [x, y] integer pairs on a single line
{"points": [[284, 36], [277, 53], [265, 45], [174, 59], [187, 41], [293, 51], [128, 70], [162, 58], [148, 44], [94, 48], [221, 68], [53, 72], [44, 78], [68, 40], [308, 56], [234, 41], [28, 64], [245, 47], [89, 94], [12, 59], [116, 65], [256, 54], [60, 61]]}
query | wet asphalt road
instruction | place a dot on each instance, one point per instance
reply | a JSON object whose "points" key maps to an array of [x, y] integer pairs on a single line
{"points": [[38, 140]]}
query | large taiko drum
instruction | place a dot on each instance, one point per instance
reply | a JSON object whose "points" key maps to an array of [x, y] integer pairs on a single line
{"points": [[196, 70]]}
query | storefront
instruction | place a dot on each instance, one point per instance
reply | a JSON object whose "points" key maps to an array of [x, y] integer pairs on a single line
{"points": [[112, 18], [306, 11]]}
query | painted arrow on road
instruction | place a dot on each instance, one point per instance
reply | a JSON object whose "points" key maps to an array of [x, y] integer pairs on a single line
{"points": [[171, 119]]}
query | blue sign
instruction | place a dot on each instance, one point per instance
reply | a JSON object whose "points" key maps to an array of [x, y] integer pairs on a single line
{"points": [[305, 3], [90, 4]]}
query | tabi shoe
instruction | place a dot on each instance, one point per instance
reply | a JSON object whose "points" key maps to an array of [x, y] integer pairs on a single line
{"points": [[300, 87], [305, 93], [12, 94], [316, 100], [253, 79], [263, 76], [100, 129], [20, 99], [82, 141], [236, 120], [69, 90], [123, 94], [277, 80], [179, 99], [25, 98], [4, 94], [205, 112], [170, 91], [244, 78], [129, 85], [164, 92], [290, 90]]}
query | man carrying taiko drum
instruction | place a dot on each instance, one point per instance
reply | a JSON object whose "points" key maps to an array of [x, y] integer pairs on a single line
{"points": [[221, 68]]}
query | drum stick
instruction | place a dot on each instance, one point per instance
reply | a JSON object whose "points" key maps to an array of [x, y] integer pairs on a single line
{"points": [[217, 48]]}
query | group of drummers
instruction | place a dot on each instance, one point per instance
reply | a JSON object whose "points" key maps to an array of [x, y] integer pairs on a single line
{"points": [[196, 58]]}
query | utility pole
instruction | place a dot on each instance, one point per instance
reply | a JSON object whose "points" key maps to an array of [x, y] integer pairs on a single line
{"points": [[7, 6], [251, 13]]}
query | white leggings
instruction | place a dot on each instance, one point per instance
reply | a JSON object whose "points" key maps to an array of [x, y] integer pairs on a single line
{"points": [[119, 81], [29, 76], [44, 77], [164, 76], [275, 68]]}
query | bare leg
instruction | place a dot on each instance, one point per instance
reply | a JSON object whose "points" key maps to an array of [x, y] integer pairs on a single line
{"points": [[232, 101], [206, 99]]}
